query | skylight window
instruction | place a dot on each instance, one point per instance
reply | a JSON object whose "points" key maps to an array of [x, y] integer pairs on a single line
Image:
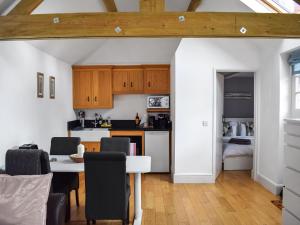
{"points": [[285, 6]]}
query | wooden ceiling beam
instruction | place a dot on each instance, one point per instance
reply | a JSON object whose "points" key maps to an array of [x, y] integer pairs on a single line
{"points": [[25, 7], [194, 4], [110, 5], [152, 6], [166, 24]]}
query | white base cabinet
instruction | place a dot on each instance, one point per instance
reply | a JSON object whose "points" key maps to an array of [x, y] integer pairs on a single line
{"points": [[157, 146], [291, 178]]}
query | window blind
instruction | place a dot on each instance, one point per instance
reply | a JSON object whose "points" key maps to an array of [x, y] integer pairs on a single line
{"points": [[294, 61]]}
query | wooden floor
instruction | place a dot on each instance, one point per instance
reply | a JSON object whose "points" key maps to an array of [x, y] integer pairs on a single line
{"points": [[234, 200]]}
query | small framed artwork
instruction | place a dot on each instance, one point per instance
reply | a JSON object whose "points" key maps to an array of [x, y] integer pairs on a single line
{"points": [[52, 87], [40, 85]]}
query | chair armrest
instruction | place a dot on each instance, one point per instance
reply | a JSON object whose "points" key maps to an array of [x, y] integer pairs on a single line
{"points": [[56, 209]]}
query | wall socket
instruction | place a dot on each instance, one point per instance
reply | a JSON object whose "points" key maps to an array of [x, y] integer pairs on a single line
{"points": [[204, 123]]}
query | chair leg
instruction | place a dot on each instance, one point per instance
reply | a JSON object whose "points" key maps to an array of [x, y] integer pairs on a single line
{"points": [[77, 197], [94, 221], [68, 208], [128, 214], [124, 222], [88, 222]]}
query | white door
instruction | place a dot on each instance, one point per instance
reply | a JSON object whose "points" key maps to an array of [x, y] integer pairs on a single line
{"points": [[219, 123], [157, 146]]}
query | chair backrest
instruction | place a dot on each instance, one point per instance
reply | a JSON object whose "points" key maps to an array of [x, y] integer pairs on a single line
{"points": [[116, 144], [27, 162], [64, 145], [105, 184]]}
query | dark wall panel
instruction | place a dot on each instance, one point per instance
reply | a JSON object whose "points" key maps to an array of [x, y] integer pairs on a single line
{"points": [[239, 108]]}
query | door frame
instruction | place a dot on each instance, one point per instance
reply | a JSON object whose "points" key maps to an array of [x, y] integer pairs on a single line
{"points": [[256, 119]]}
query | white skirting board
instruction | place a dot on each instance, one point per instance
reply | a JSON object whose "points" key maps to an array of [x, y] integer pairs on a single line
{"points": [[193, 178], [238, 163], [269, 184]]}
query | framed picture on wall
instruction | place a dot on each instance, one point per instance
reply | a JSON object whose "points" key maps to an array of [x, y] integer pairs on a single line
{"points": [[40, 85], [52, 87]]}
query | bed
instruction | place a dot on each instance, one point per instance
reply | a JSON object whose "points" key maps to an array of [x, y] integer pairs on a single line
{"points": [[237, 156]]}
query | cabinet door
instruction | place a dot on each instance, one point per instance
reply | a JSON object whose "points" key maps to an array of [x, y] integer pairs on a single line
{"points": [[102, 89], [157, 80], [82, 92], [136, 81], [120, 81], [91, 146]]}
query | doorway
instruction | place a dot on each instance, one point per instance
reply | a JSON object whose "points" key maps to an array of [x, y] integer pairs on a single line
{"points": [[235, 122]]}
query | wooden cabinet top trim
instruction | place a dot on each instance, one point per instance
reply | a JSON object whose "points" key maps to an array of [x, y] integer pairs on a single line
{"points": [[157, 66], [127, 67], [92, 67], [150, 66]]}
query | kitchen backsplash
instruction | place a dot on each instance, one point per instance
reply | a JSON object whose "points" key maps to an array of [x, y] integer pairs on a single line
{"points": [[125, 108]]}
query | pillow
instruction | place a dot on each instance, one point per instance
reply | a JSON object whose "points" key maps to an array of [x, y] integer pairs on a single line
{"points": [[240, 141], [23, 199], [243, 129]]}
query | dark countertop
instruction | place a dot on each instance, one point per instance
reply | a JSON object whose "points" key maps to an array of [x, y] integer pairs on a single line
{"points": [[117, 125]]}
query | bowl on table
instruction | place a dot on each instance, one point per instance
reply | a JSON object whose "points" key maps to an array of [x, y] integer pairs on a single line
{"points": [[76, 158]]}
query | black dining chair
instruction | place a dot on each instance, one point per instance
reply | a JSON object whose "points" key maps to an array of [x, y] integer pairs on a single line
{"points": [[107, 192], [65, 182], [117, 144]]}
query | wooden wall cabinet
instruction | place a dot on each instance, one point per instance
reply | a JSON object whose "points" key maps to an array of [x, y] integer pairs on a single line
{"points": [[157, 79], [92, 87], [128, 80]]}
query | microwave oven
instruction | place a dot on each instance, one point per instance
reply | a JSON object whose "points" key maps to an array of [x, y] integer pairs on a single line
{"points": [[158, 102]]}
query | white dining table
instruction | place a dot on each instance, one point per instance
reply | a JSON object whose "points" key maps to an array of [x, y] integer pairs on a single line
{"points": [[134, 164]]}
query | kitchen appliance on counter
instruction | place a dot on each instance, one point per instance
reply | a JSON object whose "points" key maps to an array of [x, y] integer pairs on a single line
{"points": [[162, 121], [151, 121], [158, 102], [81, 117]]}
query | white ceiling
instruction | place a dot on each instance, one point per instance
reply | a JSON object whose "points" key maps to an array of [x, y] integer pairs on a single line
{"points": [[70, 51]]}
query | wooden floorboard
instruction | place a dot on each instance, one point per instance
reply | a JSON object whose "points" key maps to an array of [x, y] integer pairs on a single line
{"points": [[235, 199]]}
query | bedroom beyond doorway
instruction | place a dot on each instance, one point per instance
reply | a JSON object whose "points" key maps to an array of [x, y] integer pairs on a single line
{"points": [[235, 122]]}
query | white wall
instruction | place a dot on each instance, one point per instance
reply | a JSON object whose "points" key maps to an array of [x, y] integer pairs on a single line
{"points": [[130, 52], [125, 108], [24, 117], [275, 101], [196, 62], [173, 110]]}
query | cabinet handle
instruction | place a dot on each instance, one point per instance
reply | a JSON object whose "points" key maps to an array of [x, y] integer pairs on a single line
{"points": [[95, 98], [131, 84], [88, 98], [149, 84], [124, 84]]}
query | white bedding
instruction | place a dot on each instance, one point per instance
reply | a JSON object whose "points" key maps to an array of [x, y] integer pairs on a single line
{"points": [[232, 150]]}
